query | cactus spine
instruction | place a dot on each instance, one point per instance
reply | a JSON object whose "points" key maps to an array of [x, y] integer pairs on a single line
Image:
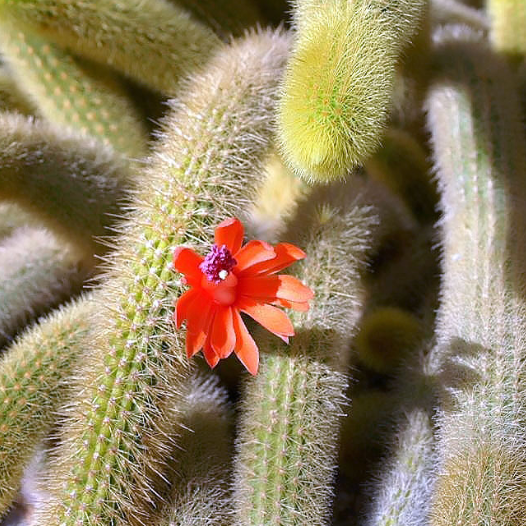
{"points": [[32, 384], [110, 467], [287, 441], [64, 92], [479, 147], [339, 81], [151, 41], [74, 185]]}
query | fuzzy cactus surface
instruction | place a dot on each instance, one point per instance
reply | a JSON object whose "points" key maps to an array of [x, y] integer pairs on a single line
{"points": [[130, 130]]}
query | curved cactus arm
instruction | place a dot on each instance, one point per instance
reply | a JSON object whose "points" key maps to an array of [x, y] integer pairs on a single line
{"points": [[110, 467], [76, 186], [201, 491], [37, 273], [479, 148], [33, 373], [456, 12], [67, 94], [152, 41], [339, 81], [290, 414]]}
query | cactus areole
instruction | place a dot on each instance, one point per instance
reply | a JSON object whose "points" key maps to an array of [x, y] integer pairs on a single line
{"points": [[231, 279]]}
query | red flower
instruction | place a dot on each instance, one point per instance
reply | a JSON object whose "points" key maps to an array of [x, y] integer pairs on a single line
{"points": [[232, 279]]}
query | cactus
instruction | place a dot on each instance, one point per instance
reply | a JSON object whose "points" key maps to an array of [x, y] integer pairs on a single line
{"points": [[64, 92], [37, 272], [291, 411], [151, 41], [73, 184], [32, 384], [339, 82], [200, 493], [479, 149], [111, 466]]}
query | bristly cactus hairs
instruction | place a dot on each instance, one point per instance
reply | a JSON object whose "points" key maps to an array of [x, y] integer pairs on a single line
{"points": [[479, 146], [339, 81], [290, 417], [152, 41], [32, 384], [110, 467]]}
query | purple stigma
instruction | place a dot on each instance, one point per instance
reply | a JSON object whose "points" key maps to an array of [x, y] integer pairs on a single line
{"points": [[219, 259]]}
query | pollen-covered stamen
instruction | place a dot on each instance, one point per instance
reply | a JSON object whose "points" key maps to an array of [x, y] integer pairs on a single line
{"points": [[217, 264]]}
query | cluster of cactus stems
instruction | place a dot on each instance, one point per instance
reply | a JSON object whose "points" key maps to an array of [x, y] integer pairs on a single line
{"points": [[386, 139]]}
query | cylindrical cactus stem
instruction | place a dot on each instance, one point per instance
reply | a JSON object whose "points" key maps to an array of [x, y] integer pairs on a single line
{"points": [[67, 94], [76, 186], [37, 273], [33, 383], [479, 146], [291, 411], [201, 491], [339, 82], [151, 41], [110, 468], [508, 20], [401, 491]]}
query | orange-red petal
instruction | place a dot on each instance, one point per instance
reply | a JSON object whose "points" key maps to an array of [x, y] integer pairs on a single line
{"points": [[246, 349], [230, 232], [286, 254], [272, 318], [199, 321], [182, 304], [210, 356], [187, 262], [270, 287], [253, 252], [295, 305], [222, 335]]}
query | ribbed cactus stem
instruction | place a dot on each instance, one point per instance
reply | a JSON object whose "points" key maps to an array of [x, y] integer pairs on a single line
{"points": [[37, 272], [479, 147], [152, 41], [110, 468], [291, 411], [508, 21], [201, 491], [69, 95], [75, 185], [401, 492], [339, 81], [33, 371]]}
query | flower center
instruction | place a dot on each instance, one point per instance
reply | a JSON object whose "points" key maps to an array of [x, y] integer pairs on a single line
{"points": [[217, 264]]}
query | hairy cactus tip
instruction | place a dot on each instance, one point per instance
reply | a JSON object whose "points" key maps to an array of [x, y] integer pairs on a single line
{"points": [[231, 279]]}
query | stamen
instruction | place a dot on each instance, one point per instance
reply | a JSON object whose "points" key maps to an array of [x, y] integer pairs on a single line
{"points": [[217, 264]]}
